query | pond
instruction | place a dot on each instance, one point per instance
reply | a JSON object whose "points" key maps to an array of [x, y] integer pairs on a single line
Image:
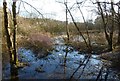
{"points": [[53, 66]]}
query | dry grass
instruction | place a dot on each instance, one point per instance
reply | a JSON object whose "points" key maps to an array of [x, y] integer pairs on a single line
{"points": [[98, 43]]}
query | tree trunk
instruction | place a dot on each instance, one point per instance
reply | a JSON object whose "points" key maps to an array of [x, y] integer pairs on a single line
{"points": [[118, 41], [110, 45], [110, 34], [9, 43], [67, 32], [14, 31], [111, 28]]}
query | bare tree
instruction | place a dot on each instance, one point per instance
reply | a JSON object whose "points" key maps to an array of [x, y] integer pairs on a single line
{"points": [[85, 41], [67, 29], [88, 44], [67, 32], [86, 27], [108, 30]]}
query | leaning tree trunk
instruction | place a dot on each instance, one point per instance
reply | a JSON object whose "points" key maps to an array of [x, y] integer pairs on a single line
{"points": [[9, 43]]}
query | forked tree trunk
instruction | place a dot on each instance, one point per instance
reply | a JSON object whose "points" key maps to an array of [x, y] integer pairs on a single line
{"points": [[108, 35]]}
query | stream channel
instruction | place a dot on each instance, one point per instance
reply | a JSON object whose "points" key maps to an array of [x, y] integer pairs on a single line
{"points": [[51, 66]]}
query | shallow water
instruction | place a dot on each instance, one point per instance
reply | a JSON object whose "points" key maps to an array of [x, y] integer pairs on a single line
{"points": [[51, 66]]}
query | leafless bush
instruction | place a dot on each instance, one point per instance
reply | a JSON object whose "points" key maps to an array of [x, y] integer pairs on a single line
{"points": [[39, 43]]}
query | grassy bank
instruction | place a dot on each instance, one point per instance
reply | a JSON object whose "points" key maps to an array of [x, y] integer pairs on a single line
{"points": [[97, 40]]}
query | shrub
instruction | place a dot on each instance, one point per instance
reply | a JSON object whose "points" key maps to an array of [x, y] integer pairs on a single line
{"points": [[39, 43]]}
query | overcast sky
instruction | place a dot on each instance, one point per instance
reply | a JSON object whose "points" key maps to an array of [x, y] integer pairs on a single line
{"points": [[53, 9]]}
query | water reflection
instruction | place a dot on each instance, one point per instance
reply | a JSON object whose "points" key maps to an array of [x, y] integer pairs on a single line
{"points": [[14, 73], [56, 65], [65, 60]]}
